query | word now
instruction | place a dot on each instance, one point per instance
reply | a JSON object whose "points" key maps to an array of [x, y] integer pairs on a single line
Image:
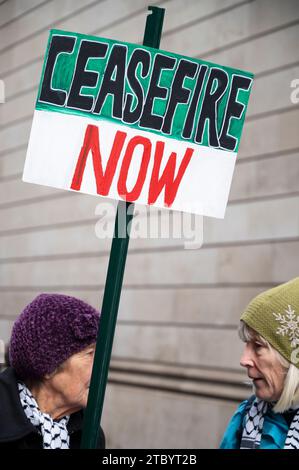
{"points": [[167, 180]]}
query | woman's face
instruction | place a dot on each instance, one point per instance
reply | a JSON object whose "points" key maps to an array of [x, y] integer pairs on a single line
{"points": [[71, 381], [265, 370]]}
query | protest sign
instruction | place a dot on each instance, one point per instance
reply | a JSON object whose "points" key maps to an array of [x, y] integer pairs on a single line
{"points": [[137, 124]]}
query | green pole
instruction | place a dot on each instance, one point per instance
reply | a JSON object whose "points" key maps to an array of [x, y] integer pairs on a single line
{"points": [[114, 279]]}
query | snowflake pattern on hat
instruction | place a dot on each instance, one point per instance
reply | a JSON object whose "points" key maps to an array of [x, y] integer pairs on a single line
{"points": [[289, 325]]}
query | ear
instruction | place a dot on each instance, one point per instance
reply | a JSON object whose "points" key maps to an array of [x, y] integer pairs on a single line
{"points": [[50, 375]]}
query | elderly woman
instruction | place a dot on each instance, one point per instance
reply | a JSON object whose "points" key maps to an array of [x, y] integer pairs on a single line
{"points": [[270, 329], [43, 393]]}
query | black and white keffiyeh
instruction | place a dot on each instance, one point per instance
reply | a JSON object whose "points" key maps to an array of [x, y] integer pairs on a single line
{"points": [[254, 421], [54, 432]]}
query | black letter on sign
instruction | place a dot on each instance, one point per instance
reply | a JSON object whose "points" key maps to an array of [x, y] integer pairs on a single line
{"points": [[179, 94], [58, 44], [210, 106], [83, 77], [143, 57], [189, 122], [148, 119], [234, 110], [113, 86]]}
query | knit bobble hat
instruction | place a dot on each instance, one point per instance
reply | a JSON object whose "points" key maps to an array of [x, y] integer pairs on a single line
{"points": [[274, 314], [50, 329]]}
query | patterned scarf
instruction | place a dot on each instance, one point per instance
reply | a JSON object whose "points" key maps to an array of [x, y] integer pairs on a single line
{"points": [[254, 421], [54, 432]]}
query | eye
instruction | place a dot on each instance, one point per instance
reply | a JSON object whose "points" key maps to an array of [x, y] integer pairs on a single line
{"points": [[258, 345]]}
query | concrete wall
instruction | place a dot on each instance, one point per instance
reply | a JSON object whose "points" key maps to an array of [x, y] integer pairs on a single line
{"points": [[174, 378]]}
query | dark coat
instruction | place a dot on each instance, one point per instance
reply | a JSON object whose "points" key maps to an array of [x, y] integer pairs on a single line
{"points": [[17, 432]]}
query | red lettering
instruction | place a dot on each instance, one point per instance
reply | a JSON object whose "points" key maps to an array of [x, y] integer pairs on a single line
{"points": [[167, 179], [122, 181], [104, 179], [91, 143]]}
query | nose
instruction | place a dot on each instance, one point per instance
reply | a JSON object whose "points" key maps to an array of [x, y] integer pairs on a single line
{"points": [[246, 358]]}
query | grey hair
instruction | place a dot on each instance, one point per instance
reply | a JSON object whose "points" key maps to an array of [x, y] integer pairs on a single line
{"points": [[290, 394]]}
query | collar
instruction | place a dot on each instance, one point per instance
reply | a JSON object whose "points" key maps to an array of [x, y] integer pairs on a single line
{"points": [[14, 424]]}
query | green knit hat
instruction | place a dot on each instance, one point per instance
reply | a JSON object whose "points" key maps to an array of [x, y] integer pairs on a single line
{"points": [[274, 314]]}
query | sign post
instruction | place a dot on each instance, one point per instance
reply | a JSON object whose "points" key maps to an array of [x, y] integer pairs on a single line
{"points": [[113, 286]]}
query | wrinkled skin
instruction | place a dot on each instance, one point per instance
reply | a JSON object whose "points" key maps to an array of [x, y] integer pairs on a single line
{"points": [[65, 391]]}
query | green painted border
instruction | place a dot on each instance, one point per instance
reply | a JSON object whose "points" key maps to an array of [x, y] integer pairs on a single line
{"points": [[236, 125]]}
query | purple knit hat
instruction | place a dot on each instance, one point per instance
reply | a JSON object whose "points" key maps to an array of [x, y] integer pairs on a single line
{"points": [[50, 329]]}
